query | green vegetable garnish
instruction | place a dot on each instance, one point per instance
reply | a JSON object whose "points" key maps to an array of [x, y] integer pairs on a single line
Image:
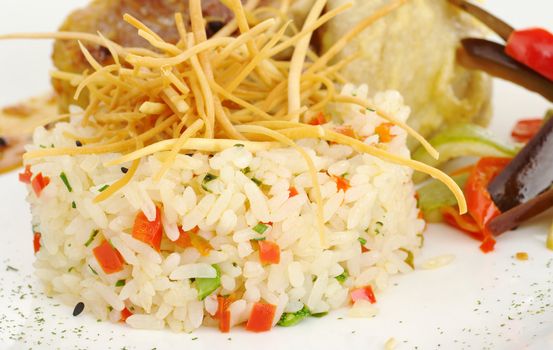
{"points": [[66, 182], [257, 181], [343, 277], [362, 240], [410, 259], [103, 188], [436, 195], [246, 170], [459, 141], [207, 179], [91, 239], [73, 205], [320, 314], [206, 286], [260, 228], [93, 271], [289, 319], [239, 145], [120, 283]]}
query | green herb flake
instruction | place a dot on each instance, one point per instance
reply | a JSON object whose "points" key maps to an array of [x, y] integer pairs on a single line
{"points": [[206, 286], [103, 188], [246, 170], [91, 239], [260, 228], [259, 239], [207, 179], [257, 181], [70, 269], [410, 259], [379, 225], [320, 314], [343, 277], [371, 110], [110, 308], [239, 145], [120, 283], [73, 205], [66, 182], [93, 271], [362, 240], [289, 319]]}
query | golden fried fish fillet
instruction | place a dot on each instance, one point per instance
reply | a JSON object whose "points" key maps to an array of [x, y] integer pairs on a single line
{"points": [[413, 50]]}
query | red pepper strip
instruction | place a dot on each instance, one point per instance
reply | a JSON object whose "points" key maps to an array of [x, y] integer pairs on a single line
{"points": [[319, 119], [125, 313], [384, 132], [26, 176], [223, 313], [261, 317], [108, 257], [149, 232], [292, 192], [269, 252], [480, 204], [526, 129], [36, 242], [534, 48], [39, 183], [488, 244], [341, 183], [364, 293]]}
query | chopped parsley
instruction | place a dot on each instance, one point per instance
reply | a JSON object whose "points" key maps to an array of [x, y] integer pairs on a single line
{"points": [[66, 182], [260, 228], [103, 188], [362, 240], [73, 205], [207, 179], [257, 181], [343, 277], [246, 170], [239, 145], [93, 271], [259, 239], [91, 239], [120, 283]]}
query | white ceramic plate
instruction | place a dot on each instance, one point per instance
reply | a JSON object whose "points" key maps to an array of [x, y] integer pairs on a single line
{"points": [[477, 302]]}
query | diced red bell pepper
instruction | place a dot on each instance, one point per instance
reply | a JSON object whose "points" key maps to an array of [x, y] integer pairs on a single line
{"points": [[149, 232], [319, 119], [384, 132], [346, 130], [39, 183], [223, 313], [269, 252], [488, 244], [36, 242], [341, 183], [261, 317], [125, 313], [534, 48], [26, 176], [184, 240], [480, 204], [108, 257], [192, 239], [364, 293], [292, 192], [526, 129]]}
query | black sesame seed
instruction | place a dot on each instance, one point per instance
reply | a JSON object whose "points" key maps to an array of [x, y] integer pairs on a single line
{"points": [[79, 143], [124, 170], [78, 309], [214, 26], [3, 142]]}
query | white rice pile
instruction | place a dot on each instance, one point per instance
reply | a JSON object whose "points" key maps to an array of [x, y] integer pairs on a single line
{"points": [[159, 288]]}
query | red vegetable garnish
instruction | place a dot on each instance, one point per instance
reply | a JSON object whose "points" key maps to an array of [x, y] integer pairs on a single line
{"points": [[346, 130], [525, 129], [292, 192], [364, 293], [384, 132], [26, 176], [341, 183], [223, 313], [319, 119], [39, 183], [36, 242], [269, 252], [149, 232], [108, 257], [534, 48], [488, 244], [464, 222], [125, 313], [261, 317], [184, 240]]}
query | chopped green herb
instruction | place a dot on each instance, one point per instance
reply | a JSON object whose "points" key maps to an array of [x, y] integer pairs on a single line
{"points": [[239, 145], [320, 314], [41, 146], [207, 179], [120, 283], [91, 239], [11, 268], [289, 319], [73, 205], [110, 309], [259, 239], [66, 182], [206, 286], [260, 228], [410, 259], [257, 181], [343, 277], [370, 109], [246, 170], [93, 271], [71, 269], [362, 240], [195, 338], [103, 188], [379, 225]]}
